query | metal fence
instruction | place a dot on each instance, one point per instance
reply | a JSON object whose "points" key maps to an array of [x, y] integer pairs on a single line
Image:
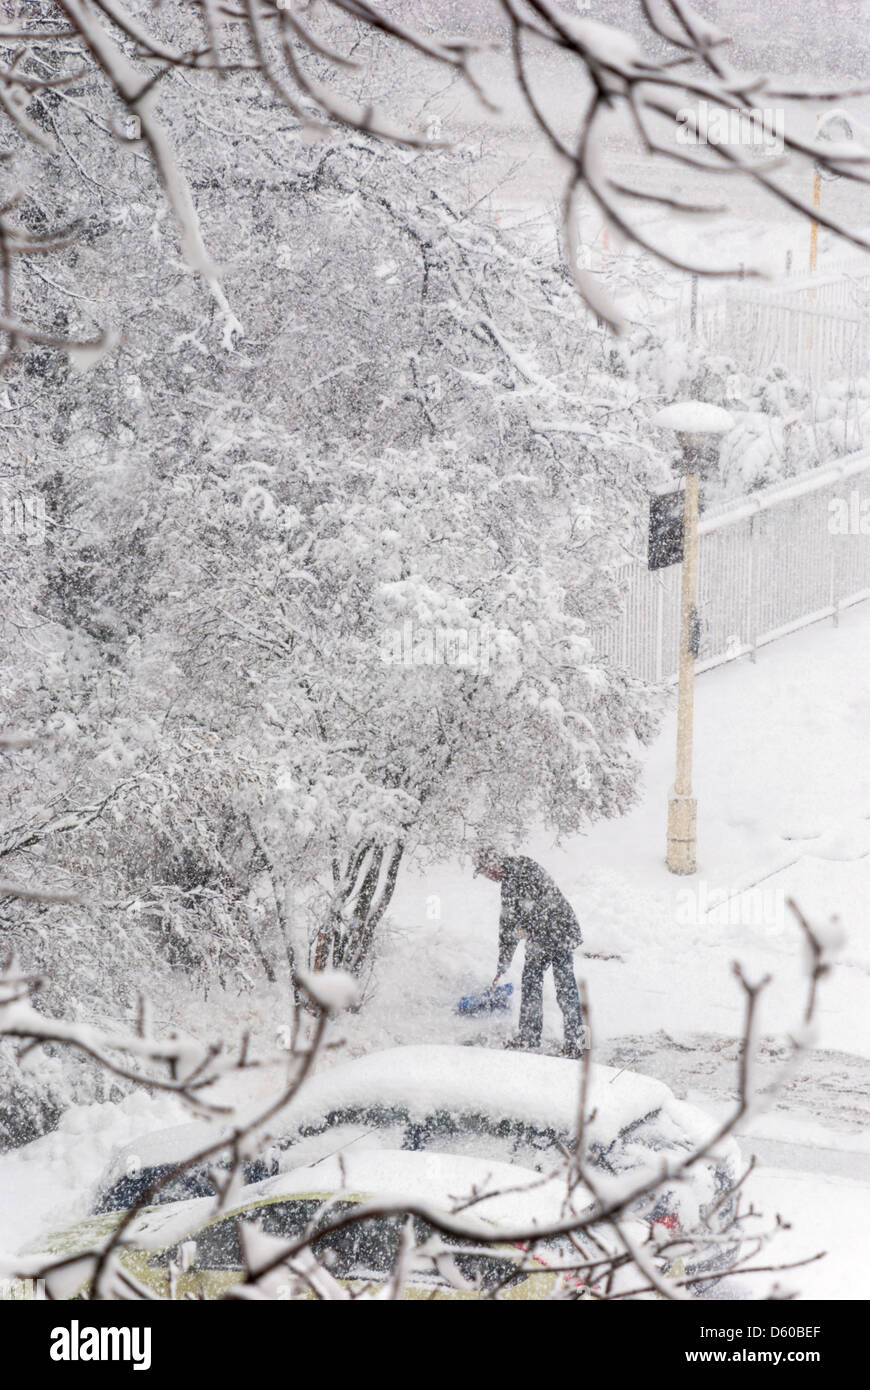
{"points": [[818, 328], [768, 565]]}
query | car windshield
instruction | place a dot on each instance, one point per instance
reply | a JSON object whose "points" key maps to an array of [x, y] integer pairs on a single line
{"points": [[491, 1137]]}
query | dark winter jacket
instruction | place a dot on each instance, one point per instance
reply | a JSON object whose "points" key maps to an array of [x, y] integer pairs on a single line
{"points": [[532, 906]]}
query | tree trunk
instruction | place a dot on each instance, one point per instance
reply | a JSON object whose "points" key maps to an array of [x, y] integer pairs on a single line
{"points": [[365, 891]]}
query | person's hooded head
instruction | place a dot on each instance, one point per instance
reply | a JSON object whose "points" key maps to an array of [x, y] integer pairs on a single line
{"points": [[489, 862]]}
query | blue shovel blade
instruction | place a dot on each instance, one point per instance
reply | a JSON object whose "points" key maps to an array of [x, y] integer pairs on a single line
{"points": [[486, 1001]]}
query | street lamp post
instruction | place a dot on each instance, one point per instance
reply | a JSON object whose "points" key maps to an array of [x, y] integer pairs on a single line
{"points": [[697, 427], [843, 128]]}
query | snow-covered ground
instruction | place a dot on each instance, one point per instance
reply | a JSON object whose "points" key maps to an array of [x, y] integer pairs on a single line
{"points": [[783, 784]]}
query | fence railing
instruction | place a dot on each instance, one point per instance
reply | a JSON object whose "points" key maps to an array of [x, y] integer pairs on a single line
{"points": [[817, 327], [768, 565]]}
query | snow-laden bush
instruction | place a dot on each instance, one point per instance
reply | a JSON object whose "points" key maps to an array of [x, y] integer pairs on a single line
{"points": [[782, 427]]}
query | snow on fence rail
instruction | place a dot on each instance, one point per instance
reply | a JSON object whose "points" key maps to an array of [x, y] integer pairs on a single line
{"points": [[768, 565]]}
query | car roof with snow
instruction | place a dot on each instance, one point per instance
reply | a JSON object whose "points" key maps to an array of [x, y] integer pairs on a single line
{"points": [[540, 1092]]}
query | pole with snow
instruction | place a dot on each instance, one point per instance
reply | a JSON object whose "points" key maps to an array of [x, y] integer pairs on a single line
{"points": [[814, 224], [697, 427]]}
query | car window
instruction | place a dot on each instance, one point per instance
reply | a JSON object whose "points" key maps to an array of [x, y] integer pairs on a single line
{"points": [[489, 1272], [129, 1190], [487, 1137], [348, 1138], [365, 1249], [351, 1119], [217, 1247], [360, 1250], [373, 1126]]}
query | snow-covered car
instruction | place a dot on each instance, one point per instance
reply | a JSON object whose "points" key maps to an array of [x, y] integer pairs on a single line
{"points": [[184, 1247], [473, 1102]]}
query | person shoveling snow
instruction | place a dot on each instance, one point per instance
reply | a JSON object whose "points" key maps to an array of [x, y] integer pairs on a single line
{"points": [[534, 910]]}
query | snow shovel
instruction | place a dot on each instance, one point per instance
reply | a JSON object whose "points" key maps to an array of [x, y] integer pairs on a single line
{"points": [[492, 1000]]}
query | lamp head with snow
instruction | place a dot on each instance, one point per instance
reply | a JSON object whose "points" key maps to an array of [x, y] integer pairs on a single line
{"points": [[698, 427], [843, 135]]}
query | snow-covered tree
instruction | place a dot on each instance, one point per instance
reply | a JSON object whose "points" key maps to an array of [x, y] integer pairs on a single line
{"points": [[366, 414], [340, 606]]}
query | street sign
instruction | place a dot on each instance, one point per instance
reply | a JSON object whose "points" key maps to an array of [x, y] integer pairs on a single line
{"points": [[665, 529]]}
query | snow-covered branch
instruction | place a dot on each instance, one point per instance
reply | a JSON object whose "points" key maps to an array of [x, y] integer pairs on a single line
{"points": [[306, 63]]}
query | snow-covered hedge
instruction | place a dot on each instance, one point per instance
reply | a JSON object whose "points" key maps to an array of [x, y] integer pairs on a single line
{"points": [[782, 427]]}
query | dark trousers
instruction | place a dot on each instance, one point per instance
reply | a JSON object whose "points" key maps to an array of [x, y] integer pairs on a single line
{"points": [[539, 959]]}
